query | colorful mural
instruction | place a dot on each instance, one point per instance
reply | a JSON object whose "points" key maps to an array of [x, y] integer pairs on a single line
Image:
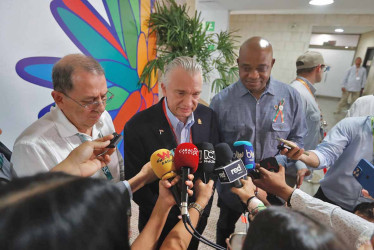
{"points": [[123, 47]]}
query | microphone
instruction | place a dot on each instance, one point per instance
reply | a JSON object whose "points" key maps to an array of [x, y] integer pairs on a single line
{"points": [[244, 151], [207, 160], [186, 159], [162, 166], [228, 171]]}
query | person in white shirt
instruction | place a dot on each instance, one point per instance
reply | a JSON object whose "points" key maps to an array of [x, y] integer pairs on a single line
{"points": [[352, 229], [353, 84], [81, 94], [363, 106]]}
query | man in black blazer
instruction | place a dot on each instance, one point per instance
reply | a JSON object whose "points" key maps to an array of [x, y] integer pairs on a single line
{"points": [[176, 118]]}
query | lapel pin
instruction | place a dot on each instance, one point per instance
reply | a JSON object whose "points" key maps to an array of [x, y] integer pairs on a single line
{"points": [[161, 131], [275, 107], [199, 121]]}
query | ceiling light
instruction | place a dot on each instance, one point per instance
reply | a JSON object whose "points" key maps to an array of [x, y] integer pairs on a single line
{"points": [[321, 2], [346, 47], [339, 30]]}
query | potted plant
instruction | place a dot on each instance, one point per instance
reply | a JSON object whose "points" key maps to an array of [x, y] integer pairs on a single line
{"points": [[178, 34]]}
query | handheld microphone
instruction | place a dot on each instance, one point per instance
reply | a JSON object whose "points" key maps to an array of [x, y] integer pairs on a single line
{"points": [[207, 160], [162, 166], [186, 159], [244, 150], [228, 171]]}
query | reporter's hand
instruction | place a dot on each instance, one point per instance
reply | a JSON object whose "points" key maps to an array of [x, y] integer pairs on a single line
{"points": [[274, 183], [245, 192], [344, 89], [295, 153], [165, 194], [83, 160], [366, 194], [301, 174], [203, 192], [148, 173]]}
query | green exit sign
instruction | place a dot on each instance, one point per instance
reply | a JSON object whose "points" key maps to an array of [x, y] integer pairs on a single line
{"points": [[211, 25]]}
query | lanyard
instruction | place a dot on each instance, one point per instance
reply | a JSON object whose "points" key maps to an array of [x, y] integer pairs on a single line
{"points": [[372, 131], [105, 169], [171, 126], [306, 86]]}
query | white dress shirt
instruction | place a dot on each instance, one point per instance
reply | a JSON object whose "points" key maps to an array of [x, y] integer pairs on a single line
{"points": [[49, 140], [363, 106], [352, 229]]}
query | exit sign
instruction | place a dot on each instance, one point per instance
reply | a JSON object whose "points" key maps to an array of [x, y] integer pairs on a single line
{"points": [[211, 25]]}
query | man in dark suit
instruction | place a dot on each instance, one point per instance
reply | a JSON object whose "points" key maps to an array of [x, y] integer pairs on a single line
{"points": [[177, 118]]}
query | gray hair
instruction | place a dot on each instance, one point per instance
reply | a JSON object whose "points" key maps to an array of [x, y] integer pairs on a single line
{"points": [[64, 69], [189, 64]]}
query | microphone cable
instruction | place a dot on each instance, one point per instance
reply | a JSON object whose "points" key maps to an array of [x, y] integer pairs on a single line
{"points": [[197, 235]]}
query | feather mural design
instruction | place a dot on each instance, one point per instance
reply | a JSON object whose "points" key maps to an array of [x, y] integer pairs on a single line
{"points": [[123, 47]]}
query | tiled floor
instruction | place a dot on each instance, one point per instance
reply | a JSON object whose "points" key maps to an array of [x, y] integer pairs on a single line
{"points": [[328, 106]]}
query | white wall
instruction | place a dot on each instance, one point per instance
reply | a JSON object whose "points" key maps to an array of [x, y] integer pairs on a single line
{"points": [[289, 34], [367, 40]]}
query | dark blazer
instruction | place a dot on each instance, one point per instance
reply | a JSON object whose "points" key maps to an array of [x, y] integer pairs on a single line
{"points": [[148, 131]]}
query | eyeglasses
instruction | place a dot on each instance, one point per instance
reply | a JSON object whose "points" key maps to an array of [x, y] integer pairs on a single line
{"points": [[95, 104], [325, 68]]}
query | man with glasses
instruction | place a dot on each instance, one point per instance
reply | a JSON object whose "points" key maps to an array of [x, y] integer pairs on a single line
{"points": [[258, 109], [81, 94], [309, 69]]}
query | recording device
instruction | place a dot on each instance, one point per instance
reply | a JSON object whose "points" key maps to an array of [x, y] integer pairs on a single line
{"points": [[288, 145], [228, 171], [186, 160], [115, 140], [364, 174], [270, 164], [162, 166], [207, 160], [244, 150]]}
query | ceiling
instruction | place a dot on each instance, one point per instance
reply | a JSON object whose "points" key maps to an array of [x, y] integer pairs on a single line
{"points": [[288, 6], [295, 7]]}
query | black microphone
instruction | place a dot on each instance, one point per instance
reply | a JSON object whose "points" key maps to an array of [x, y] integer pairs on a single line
{"points": [[207, 160], [227, 170]]}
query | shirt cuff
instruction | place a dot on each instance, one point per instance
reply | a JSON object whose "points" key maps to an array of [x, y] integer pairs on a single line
{"points": [[321, 158]]}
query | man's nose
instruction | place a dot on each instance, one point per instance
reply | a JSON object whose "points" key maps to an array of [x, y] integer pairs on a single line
{"points": [[253, 74]]}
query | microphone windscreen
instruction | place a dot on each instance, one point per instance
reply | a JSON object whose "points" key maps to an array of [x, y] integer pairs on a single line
{"points": [[207, 159], [162, 164], [243, 150], [186, 155], [223, 154]]}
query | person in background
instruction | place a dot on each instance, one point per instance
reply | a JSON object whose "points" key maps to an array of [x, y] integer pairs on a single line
{"points": [[310, 67], [353, 85]]}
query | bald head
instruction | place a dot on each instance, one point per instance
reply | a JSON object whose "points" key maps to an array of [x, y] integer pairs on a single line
{"points": [[256, 43], [63, 70], [255, 63]]}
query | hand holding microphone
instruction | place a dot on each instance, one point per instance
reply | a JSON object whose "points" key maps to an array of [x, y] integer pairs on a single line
{"points": [[162, 165]]}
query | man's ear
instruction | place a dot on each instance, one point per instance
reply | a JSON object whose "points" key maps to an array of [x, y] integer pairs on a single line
{"points": [[272, 62], [58, 97], [163, 87]]}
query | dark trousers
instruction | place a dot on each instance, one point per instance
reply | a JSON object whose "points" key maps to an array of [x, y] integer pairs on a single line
{"points": [[226, 223]]}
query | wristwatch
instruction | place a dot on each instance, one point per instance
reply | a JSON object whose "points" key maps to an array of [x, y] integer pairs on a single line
{"points": [[197, 207]]}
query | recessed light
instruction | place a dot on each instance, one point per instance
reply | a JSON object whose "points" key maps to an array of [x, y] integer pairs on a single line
{"points": [[321, 2], [339, 30], [346, 47]]}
